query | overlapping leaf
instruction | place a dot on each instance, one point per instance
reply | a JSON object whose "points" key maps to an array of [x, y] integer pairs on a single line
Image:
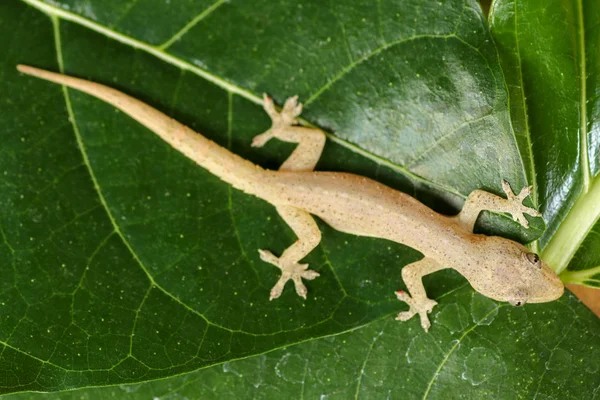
{"points": [[549, 52]]}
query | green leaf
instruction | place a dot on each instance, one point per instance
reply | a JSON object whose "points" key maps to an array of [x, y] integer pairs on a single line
{"points": [[467, 356], [550, 55], [125, 262]]}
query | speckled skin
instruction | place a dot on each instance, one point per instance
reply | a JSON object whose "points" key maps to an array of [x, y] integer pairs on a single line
{"points": [[496, 267]]}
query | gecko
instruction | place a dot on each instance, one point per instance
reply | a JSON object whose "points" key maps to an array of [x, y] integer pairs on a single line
{"points": [[499, 268]]}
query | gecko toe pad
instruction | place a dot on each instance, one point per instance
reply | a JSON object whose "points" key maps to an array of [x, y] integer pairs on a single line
{"points": [[421, 307], [287, 117], [289, 271], [515, 205]]}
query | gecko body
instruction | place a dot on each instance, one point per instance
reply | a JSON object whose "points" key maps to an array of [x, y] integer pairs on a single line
{"points": [[499, 268]]}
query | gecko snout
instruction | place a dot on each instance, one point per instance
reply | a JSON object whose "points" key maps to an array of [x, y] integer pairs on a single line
{"points": [[546, 287]]}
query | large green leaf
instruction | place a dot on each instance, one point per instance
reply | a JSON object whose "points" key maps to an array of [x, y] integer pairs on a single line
{"points": [[125, 262], [465, 359]]}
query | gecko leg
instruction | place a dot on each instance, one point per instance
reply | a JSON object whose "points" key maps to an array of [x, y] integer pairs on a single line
{"points": [[310, 141], [309, 236], [480, 200], [417, 300], [303, 158]]}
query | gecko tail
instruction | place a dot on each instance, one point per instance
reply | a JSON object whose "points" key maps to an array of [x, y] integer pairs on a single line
{"points": [[231, 168]]}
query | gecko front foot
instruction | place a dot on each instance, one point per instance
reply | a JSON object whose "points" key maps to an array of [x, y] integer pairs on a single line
{"points": [[421, 307], [280, 120], [515, 205], [289, 270]]}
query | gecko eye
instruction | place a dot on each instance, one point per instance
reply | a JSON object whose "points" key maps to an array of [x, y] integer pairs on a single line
{"points": [[534, 259], [517, 303]]}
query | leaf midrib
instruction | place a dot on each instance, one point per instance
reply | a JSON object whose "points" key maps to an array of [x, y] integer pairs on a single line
{"points": [[179, 34], [534, 191], [585, 163]]}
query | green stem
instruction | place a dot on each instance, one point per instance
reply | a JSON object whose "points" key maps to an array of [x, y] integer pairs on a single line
{"points": [[574, 229], [580, 276]]}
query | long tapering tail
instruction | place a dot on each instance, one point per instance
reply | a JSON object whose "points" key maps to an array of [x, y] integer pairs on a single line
{"points": [[240, 173]]}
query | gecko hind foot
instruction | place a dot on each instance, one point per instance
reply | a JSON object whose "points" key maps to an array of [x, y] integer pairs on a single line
{"points": [[422, 307], [280, 120], [515, 204], [289, 270]]}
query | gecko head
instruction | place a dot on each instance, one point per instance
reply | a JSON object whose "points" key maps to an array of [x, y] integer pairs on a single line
{"points": [[519, 276]]}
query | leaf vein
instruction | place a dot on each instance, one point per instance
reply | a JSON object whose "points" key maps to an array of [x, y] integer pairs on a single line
{"points": [[447, 356], [585, 167], [202, 15], [362, 367], [534, 189], [348, 68]]}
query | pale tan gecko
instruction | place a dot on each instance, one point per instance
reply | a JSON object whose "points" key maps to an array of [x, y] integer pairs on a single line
{"points": [[498, 268]]}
